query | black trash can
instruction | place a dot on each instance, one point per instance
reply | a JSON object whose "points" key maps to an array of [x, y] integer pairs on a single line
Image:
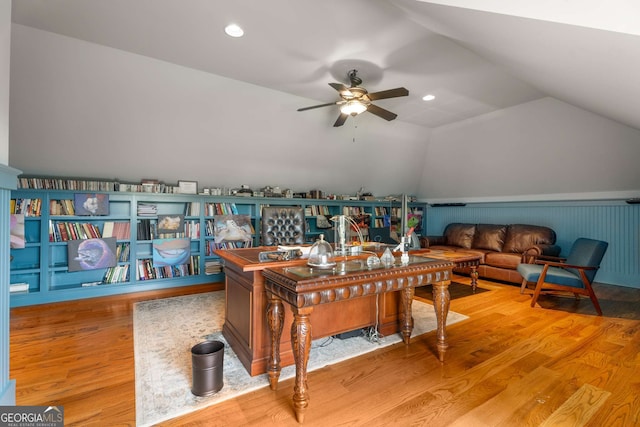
{"points": [[206, 365]]}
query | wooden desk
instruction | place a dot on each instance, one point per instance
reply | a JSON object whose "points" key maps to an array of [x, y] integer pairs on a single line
{"points": [[246, 328], [461, 259], [305, 289]]}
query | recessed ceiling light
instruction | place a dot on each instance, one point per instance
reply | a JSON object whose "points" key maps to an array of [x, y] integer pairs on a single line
{"points": [[234, 30], [428, 98]]}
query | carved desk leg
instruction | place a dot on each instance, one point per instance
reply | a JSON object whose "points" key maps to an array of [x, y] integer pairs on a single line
{"points": [[275, 319], [441, 299], [406, 319], [474, 276], [301, 344]]}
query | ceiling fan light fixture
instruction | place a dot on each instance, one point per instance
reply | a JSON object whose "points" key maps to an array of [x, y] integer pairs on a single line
{"points": [[353, 108]]}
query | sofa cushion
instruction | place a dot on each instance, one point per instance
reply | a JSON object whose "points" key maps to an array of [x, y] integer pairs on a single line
{"points": [[520, 237], [474, 251], [457, 234], [503, 259], [490, 237]]}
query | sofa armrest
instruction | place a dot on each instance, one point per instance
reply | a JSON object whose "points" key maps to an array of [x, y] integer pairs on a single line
{"points": [[540, 251], [427, 241]]}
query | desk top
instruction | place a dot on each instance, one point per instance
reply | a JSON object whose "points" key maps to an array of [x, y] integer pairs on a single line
{"points": [[248, 258]]}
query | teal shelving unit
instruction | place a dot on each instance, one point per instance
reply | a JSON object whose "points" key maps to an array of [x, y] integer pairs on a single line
{"points": [[43, 263]]}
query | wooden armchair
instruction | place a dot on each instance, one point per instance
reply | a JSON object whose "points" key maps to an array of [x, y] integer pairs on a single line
{"points": [[574, 275]]}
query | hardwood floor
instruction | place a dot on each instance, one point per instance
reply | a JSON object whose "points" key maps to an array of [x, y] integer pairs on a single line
{"points": [[507, 365]]}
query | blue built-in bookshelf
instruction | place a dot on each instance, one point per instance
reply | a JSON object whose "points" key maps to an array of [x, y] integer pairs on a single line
{"points": [[614, 221], [49, 266]]}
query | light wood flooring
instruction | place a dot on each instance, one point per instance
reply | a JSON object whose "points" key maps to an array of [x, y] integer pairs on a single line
{"points": [[507, 365]]}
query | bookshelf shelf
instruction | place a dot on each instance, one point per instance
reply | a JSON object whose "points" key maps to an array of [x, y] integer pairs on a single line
{"points": [[132, 221]]}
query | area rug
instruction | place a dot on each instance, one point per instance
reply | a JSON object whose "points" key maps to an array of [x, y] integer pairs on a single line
{"points": [[456, 290], [165, 330]]}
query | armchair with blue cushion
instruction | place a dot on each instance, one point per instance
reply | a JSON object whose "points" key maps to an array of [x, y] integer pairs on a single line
{"points": [[575, 274]]}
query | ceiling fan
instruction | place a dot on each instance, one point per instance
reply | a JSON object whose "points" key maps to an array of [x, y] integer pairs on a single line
{"points": [[356, 100]]}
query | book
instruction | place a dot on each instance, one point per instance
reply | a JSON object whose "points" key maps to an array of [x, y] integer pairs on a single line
{"points": [[18, 287]]}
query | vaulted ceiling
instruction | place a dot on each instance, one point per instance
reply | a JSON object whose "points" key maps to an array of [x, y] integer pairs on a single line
{"points": [[475, 56]]}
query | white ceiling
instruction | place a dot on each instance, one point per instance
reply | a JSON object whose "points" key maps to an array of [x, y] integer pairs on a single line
{"points": [[476, 57]]}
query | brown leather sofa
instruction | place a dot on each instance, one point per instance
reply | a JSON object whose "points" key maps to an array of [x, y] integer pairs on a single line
{"points": [[502, 247]]}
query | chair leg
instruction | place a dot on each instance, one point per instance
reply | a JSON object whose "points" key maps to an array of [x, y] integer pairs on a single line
{"points": [[524, 286], [592, 294], [536, 293]]}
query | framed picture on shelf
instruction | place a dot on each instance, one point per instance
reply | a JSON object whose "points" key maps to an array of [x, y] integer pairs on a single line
{"points": [[232, 228], [170, 224], [171, 252], [188, 187], [91, 204], [92, 254]]}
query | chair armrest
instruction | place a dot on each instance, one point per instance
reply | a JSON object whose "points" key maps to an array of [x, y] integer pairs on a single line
{"points": [[542, 251], [564, 265], [427, 241]]}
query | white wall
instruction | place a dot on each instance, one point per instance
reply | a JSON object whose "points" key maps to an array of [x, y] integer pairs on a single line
{"points": [[543, 147], [84, 110], [5, 56]]}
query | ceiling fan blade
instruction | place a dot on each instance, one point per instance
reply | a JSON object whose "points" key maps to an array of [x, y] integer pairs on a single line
{"points": [[317, 106], [341, 119], [391, 93], [381, 112], [339, 87]]}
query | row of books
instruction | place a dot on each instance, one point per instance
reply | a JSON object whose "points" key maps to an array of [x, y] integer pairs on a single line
{"points": [[315, 210], [26, 207], [38, 183], [61, 207], [65, 184], [117, 274], [121, 230], [147, 209], [192, 229], [147, 271], [212, 267], [192, 209], [147, 229], [65, 231], [212, 245], [211, 209], [122, 251], [380, 211], [353, 210]]}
